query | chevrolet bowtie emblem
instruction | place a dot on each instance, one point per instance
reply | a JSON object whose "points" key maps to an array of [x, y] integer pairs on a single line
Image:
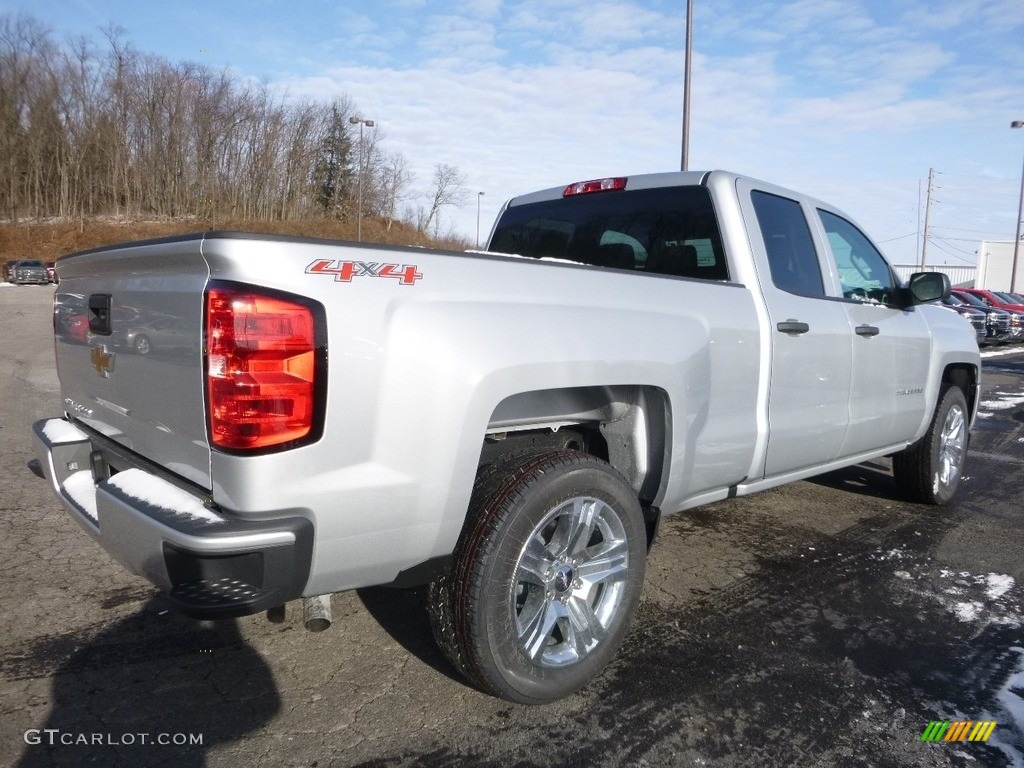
{"points": [[102, 361]]}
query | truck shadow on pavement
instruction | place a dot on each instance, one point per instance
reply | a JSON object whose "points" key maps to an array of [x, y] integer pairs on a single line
{"points": [[155, 688], [402, 613], [872, 478]]}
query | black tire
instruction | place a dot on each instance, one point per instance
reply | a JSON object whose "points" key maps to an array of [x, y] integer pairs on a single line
{"points": [[929, 471], [545, 579]]}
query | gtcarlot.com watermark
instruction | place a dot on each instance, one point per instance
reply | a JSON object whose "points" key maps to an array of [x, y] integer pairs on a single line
{"points": [[55, 737]]}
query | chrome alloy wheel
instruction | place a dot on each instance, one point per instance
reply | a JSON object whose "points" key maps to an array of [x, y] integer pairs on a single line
{"points": [[569, 581], [952, 447]]}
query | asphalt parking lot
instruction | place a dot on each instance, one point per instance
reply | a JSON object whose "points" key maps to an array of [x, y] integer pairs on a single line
{"points": [[821, 624]]}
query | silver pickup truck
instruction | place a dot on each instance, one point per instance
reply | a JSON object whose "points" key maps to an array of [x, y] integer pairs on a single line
{"points": [[306, 417]]}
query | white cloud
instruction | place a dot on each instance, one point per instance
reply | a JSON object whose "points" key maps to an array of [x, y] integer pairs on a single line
{"points": [[845, 100], [459, 41]]}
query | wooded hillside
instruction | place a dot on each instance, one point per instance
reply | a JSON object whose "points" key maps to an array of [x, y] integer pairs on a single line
{"points": [[93, 129]]}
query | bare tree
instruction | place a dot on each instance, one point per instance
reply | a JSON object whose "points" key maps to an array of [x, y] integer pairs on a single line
{"points": [[449, 190], [86, 131], [395, 182], [24, 46]]}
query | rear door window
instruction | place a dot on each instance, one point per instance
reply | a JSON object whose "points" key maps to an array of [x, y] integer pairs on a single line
{"points": [[787, 240]]}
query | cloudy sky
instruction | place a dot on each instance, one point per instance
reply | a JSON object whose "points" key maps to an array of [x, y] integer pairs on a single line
{"points": [[849, 100]]}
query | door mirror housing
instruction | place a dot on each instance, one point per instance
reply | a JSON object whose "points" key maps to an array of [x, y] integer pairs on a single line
{"points": [[928, 286]]}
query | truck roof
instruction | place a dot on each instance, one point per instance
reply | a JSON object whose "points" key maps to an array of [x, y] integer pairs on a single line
{"points": [[638, 181]]}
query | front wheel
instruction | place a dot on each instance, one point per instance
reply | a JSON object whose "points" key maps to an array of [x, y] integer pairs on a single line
{"points": [[929, 471], [545, 579]]}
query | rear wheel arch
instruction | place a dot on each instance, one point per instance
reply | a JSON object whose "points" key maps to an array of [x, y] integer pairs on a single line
{"points": [[627, 426]]}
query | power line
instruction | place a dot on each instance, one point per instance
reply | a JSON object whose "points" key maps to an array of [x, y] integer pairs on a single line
{"points": [[950, 244], [961, 239], [961, 229], [950, 253], [901, 237]]}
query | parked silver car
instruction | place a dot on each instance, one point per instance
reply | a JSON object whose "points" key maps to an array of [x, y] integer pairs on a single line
{"points": [[29, 271]]}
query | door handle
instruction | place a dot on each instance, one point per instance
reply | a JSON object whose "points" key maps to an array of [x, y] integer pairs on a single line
{"points": [[867, 330], [793, 326]]}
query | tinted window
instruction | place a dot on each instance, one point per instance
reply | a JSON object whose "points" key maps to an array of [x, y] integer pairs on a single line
{"points": [[970, 298], [787, 240], [669, 231], [863, 272]]}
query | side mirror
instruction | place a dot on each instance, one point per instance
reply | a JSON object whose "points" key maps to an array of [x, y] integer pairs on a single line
{"points": [[929, 286]]}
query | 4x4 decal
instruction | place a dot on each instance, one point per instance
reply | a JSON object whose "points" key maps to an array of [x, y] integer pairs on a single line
{"points": [[344, 271]]}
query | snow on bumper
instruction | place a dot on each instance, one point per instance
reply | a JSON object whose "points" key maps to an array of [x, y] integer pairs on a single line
{"points": [[211, 563]]}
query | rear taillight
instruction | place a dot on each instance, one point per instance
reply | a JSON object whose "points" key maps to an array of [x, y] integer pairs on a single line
{"points": [[595, 185], [261, 369]]}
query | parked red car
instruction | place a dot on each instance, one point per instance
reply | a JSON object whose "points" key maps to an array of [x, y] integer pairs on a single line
{"points": [[993, 299]]}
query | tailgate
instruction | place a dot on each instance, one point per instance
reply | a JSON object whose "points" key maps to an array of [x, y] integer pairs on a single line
{"points": [[129, 347]]}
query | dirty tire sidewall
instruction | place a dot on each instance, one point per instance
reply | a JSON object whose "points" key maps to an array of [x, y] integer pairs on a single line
{"points": [[489, 571], [952, 399], [916, 468]]}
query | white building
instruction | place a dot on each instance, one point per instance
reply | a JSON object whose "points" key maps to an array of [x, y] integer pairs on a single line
{"points": [[995, 262], [959, 276]]}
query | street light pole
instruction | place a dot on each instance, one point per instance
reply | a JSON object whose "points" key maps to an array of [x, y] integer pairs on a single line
{"points": [[1020, 212], [478, 196], [359, 181], [685, 163]]}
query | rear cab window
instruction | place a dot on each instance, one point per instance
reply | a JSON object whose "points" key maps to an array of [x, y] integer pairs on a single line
{"points": [[666, 231]]}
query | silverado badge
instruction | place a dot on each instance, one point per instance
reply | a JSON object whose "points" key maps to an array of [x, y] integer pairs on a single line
{"points": [[102, 361]]}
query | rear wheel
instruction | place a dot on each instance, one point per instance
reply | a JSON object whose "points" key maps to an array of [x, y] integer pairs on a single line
{"points": [[929, 471], [545, 579]]}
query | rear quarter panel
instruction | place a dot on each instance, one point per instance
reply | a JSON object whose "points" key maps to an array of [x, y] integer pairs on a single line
{"points": [[415, 372]]}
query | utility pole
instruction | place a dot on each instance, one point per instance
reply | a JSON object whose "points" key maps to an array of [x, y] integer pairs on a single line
{"points": [[685, 163], [927, 212], [919, 214], [479, 196], [1020, 210]]}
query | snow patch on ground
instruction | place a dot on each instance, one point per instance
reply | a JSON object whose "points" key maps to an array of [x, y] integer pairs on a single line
{"points": [[968, 612], [1003, 404], [999, 353], [998, 585], [152, 490], [1011, 701], [981, 600], [893, 554]]}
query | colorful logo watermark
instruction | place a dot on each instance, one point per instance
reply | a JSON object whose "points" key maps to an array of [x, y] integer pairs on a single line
{"points": [[958, 730]]}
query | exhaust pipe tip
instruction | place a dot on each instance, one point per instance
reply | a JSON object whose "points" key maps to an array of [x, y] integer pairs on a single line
{"points": [[277, 614], [316, 613]]}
